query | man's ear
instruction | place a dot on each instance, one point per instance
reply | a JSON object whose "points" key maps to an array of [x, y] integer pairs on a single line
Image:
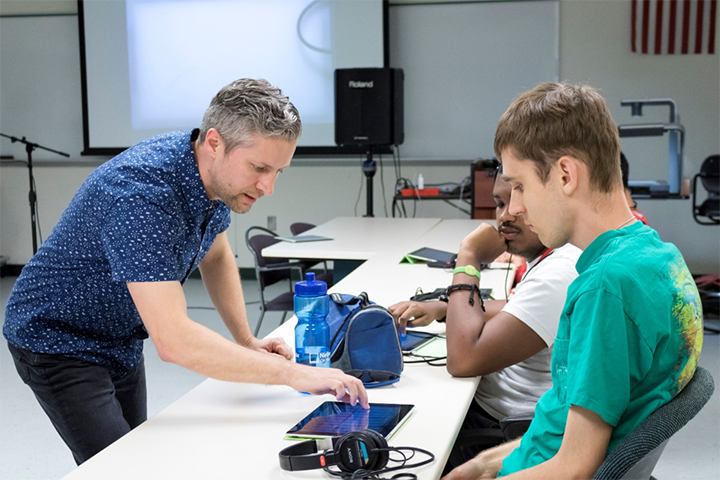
{"points": [[213, 141], [568, 169]]}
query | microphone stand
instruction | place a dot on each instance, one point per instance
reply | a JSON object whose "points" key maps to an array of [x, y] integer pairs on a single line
{"points": [[32, 195]]}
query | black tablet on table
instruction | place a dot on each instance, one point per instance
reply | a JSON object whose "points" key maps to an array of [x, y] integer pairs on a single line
{"points": [[332, 419]]}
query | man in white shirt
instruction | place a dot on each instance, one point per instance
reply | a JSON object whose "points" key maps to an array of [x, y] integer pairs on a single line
{"points": [[510, 343]]}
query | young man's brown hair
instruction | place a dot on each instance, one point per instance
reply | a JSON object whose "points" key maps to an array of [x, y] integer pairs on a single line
{"points": [[556, 119]]}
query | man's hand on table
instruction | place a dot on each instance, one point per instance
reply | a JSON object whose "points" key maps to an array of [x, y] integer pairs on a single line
{"points": [[321, 381], [274, 345], [417, 314]]}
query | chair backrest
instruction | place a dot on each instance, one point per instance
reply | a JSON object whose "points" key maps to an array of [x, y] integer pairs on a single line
{"points": [[710, 174], [707, 212], [263, 265], [300, 227], [635, 457]]}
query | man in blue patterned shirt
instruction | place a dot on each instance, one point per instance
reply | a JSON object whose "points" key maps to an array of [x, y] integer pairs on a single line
{"points": [[112, 271]]}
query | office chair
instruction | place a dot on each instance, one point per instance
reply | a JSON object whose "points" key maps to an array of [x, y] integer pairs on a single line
{"points": [[298, 228], [710, 178], [270, 271], [709, 289], [635, 457]]}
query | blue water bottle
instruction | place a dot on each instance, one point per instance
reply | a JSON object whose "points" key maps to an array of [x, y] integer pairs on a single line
{"points": [[312, 333]]}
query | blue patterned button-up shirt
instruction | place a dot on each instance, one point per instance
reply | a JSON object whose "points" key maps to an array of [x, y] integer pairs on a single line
{"points": [[143, 216]]}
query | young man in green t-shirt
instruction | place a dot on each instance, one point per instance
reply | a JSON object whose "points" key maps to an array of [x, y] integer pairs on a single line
{"points": [[631, 331]]}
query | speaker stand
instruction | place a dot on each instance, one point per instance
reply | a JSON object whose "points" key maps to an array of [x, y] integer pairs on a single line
{"points": [[369, 168]]}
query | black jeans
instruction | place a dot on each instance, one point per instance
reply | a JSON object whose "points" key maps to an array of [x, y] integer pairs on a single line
{"points": [[88, 407]]}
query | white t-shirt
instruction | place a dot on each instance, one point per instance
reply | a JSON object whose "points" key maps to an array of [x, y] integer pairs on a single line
{"points": [[538, 302]]}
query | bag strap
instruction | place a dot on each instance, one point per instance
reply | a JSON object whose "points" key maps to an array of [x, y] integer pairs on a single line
{"points": [[374, 378], [361, 298], [381, 384]]}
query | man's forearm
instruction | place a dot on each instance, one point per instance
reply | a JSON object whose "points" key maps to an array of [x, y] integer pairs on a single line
{"points": [[545, 471], [222, 282], [464, 324], [465, 318], [186, 343], [480, 343], [553, 469], [197, 348], [493, 458]]}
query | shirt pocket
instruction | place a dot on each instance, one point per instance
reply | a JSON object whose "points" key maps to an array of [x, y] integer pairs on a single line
{"points": [[559, 367]]}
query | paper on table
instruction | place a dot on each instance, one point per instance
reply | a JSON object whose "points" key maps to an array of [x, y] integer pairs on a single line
{"points": [[304, 238]]}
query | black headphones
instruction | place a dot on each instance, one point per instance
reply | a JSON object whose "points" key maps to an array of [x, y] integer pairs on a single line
{"points": [[365, 450], [353, 451]]}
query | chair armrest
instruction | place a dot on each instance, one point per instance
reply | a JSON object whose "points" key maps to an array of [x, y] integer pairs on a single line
{"points": [[515, 426], [481, 437]]}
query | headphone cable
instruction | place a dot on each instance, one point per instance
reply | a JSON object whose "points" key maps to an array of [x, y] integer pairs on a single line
{"points": [[362, 474]]}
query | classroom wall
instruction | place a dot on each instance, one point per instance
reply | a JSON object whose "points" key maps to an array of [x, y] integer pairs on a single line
{"points": [[593, 47]]}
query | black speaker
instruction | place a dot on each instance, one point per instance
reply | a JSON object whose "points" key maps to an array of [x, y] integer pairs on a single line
{"points": [[369, 106]]}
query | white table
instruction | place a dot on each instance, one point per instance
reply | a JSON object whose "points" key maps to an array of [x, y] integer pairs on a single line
{"points": [[223, 430], [355, 238]]}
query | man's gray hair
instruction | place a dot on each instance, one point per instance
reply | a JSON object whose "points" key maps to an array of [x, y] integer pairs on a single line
{"points": [[248, 107]]}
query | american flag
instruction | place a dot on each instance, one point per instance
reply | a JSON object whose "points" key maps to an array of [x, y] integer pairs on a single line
{"points": [[673, 26]]}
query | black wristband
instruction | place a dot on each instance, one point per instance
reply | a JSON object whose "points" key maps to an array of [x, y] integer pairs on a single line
{"points": [[443, 298], [473, 289]]}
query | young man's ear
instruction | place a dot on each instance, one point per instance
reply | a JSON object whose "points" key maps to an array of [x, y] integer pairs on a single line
{"points": [[568, 169]]}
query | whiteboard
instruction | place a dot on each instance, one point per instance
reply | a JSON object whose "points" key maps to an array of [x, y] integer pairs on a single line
{"points": [[40, 85], [463, 64]]}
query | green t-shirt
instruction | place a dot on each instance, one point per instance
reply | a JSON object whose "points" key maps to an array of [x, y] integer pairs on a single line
{"points": [[628, 341]]}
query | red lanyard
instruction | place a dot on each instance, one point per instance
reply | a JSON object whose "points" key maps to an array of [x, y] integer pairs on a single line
{"points": [[545, 254]]}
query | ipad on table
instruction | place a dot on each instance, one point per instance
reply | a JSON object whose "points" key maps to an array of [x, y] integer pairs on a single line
{"points": [[412, 340], [431, 255], [332, 419]]}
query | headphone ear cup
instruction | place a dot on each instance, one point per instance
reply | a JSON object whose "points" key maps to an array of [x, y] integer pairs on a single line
{"points": [[382, 456], [349, 462], [339, 447]]}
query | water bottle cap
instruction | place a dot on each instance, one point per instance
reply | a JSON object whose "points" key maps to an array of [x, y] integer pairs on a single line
{"points": [[310, 287]]}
